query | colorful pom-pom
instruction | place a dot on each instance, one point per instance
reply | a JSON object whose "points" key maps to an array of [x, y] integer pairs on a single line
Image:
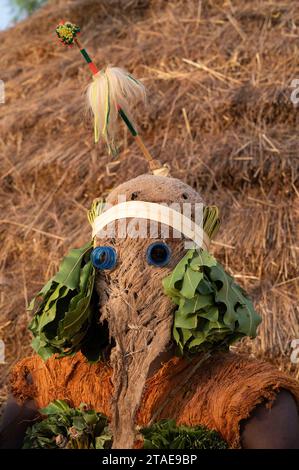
{"points": [[67, 32]]}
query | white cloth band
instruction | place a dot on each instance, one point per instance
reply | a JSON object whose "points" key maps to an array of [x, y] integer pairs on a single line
{"points": [[156, 212]]}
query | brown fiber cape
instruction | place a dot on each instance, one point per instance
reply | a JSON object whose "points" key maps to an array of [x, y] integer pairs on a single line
{"points": [[219, 394]]}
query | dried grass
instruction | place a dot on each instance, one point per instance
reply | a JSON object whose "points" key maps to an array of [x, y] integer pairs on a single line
{"points": [[219, 76]]}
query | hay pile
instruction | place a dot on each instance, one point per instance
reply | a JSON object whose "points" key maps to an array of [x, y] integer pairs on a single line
{"points": [[220, 113]]}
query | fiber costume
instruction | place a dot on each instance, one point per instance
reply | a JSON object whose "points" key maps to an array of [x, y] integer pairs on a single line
{"points": [[127, 296], [208, 387]]}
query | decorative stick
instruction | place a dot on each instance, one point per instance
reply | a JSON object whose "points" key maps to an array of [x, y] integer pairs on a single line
{"points": [[109, 82]]}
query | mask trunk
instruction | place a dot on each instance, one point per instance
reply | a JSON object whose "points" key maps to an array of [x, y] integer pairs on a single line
{"points": [[139, 337]]}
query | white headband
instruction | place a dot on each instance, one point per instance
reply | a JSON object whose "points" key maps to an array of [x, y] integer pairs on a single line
{"points": [[156, 212]]}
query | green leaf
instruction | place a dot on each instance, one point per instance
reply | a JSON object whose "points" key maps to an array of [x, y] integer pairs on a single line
{"points": [[43, 351], [56, 407], [176, 335], [69, 271], [77, 315], [190, 282], [225, 294], [210, 313], [248, 319], [178, 273], [90, 417], [48, 287], [49, 311], [213, 326], [205, 287], [79, 423], [102, 441], [195, 304], [184, 321], [186, 334], [200, 338], [203, 258]]}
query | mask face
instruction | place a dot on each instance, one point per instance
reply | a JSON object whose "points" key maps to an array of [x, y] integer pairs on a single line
{"points": [[130, 290]]}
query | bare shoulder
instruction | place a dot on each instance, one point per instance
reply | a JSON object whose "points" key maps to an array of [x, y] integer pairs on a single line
{"points": [[15, 420], [275, 427]]}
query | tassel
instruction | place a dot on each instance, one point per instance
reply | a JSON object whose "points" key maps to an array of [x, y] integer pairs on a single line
{"points": [[113, 89]]}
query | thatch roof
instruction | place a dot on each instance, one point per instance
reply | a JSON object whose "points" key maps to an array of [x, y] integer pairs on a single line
{"points": [[219, 79]]}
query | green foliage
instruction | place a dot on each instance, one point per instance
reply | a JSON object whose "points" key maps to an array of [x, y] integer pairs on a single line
{"points": [[69, 428], [82, 428], [212, 309], [65, 319], [26, 7], [166, 435]]}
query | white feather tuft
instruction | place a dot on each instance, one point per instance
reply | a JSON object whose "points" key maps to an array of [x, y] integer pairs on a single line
{"points": [[112, 88]]}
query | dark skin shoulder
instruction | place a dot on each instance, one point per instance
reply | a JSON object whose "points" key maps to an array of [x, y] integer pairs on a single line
{"points": [[272, 428], [15, 420]]}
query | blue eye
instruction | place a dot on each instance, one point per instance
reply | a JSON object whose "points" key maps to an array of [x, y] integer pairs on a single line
{"points": [[158, 254], [104, 257]]}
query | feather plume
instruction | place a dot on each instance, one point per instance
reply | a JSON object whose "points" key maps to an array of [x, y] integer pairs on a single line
{"points": [[113, 91]]}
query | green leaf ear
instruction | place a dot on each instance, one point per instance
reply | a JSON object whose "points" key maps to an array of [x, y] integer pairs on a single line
{"points": [[213, 311], [66, 312]]}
